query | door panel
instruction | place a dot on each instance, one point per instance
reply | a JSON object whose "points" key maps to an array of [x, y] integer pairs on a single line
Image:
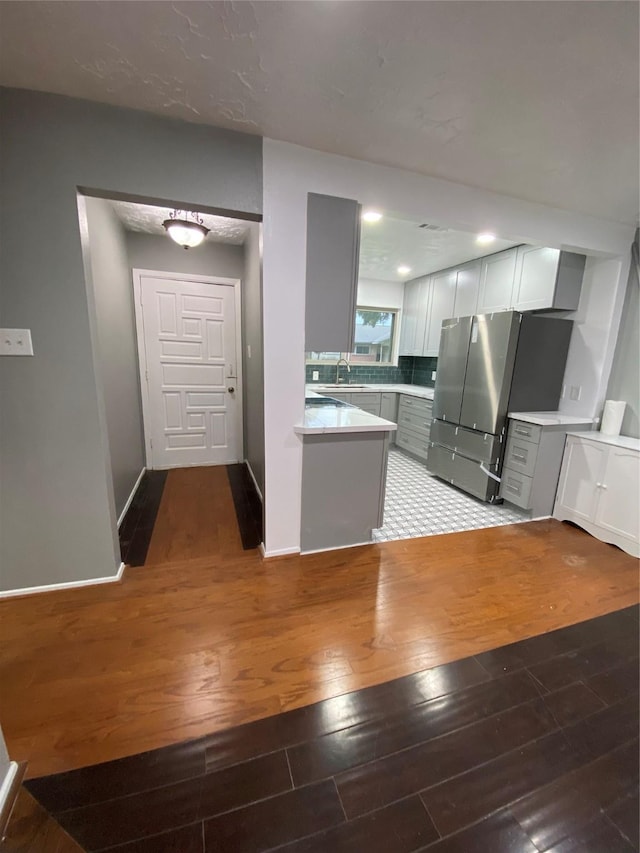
{"points": [[619, 505], [452, 366], [496, 282], [492, 349], [189, 331], [584, 465]]}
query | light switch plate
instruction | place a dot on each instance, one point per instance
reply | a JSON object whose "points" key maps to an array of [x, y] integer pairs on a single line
{"points": [[15, 342], [433, 375], [315, 375]]}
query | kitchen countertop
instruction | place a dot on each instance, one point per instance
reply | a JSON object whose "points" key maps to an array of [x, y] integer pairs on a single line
{"points": [[616, 440], [549, 418], [414, 390]]}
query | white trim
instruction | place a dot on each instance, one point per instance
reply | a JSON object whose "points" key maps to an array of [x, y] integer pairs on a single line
{"points": [[253, 477], [283, 552], [137, 275], [132, 495], [7, 785], [340, 547], [30, 590]]}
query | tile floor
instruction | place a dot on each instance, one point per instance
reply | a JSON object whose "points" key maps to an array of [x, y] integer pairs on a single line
{"points": [[418, 504], [527, 748]]}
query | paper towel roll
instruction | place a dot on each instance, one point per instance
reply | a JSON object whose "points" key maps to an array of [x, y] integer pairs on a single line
{"points": [[612, 417]]}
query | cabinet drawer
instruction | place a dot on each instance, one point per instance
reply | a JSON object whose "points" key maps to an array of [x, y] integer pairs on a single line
{"points": [[521, 455], [521, 429], [415, 421], [412, 442], [516, 488], [415, 404]]}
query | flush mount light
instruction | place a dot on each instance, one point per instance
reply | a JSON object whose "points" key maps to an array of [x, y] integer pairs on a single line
{"points": [[186, 228], [483, 239], [371, 216], [404, 270]]}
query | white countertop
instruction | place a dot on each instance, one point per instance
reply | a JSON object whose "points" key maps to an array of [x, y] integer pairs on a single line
{"points": [[325, 419], [616, 440], [549, 418], [414, 390]]}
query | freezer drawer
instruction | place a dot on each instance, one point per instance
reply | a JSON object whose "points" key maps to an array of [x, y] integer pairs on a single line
{"points": [[464, 473], [521, 455], [477, 445], [516, 488]]}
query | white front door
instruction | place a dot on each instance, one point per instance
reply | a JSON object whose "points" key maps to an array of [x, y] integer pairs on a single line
{"points": [[188, 364]]}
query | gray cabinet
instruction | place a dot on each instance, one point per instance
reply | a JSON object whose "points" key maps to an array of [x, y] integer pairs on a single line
{"points": [[333, 250], [547, 279], [467, 289], [497, 274], [389, 410], [414, 316], [414, 425], [442, 286], [367, 401], [532, 461]]}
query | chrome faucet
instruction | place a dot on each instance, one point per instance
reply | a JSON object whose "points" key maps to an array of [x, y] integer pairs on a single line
{"points": [[340, 360]]}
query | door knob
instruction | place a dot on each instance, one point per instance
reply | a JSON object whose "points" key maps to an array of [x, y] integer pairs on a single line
{"points": [[231, 390]]}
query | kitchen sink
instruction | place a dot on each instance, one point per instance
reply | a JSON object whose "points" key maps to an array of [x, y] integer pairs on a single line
{"points": [[343, 385]]}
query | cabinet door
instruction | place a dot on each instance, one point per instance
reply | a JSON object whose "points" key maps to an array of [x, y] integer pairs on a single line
{"points": [[333, 250], [443, 295], [582, 467], [496, 282], [467, 289], [367, 401], [389, 406], [619, 505], [535, 279], [409, 318], [424, 302]]}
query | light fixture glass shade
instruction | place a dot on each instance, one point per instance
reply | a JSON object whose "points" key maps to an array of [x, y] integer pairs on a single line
{"points": [[187, 233]]}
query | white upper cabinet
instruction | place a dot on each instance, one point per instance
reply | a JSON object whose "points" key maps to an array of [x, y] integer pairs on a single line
{"points": [[546, 279], [333, 254], [496, 282], [441, 306], [467, 289], [417, 294]]}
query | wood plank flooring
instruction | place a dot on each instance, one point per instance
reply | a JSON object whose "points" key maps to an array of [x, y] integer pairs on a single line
{"points": [[210, 636], [530, 747]]}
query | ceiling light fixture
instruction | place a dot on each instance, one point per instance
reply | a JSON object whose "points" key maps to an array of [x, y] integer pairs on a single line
{"points": [[371, 216], [483, 239], [404, 270], [186, 228]]}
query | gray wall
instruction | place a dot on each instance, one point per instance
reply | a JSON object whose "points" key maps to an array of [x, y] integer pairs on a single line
{"points": [[156, 252], [624, 382], [253, 372], [117, 357], [57, 512]]}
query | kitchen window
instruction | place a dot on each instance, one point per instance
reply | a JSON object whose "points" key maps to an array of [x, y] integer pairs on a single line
{"points": [[375, 339]]}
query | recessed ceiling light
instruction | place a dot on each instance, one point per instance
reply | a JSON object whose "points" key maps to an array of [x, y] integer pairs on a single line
{"points": [[371, 216], [485, 238], [404, 270]]}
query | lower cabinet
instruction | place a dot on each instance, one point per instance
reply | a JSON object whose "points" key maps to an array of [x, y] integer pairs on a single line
{"points": [[414, 425], [599, 488], [389, 410]]}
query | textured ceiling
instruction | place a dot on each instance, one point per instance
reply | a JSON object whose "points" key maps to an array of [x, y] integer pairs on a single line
{"points": [[148, 219], [538, 100], [387, 244]]}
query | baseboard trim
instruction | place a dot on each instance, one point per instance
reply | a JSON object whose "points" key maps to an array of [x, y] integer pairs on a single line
{"points": [[339, 547], [132, 495], [32, 590], [282, 552], [9, 792], [255, 482]]}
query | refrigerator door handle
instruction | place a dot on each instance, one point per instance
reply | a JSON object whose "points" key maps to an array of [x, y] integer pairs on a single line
{"points": [[493, 476]]}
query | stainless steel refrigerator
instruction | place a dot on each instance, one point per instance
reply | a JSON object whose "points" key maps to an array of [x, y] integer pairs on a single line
{"points": [[489, 365]]}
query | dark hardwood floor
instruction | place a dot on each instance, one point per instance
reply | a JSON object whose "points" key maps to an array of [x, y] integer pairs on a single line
{"points": [[526, 748]]}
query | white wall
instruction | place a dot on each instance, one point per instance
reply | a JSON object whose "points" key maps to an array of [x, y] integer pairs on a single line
{"points": [[252, 359], [289, 173]]}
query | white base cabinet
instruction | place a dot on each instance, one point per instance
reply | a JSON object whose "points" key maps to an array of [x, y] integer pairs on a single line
{"points": [[599, 488]]}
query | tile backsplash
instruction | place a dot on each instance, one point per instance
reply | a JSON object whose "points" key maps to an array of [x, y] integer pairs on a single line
{"points": [[411, 370]]}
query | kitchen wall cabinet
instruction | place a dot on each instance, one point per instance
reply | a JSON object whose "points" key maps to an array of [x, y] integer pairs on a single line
{"points": [[333, 252], [467, 289], [496, 282], [547, 279], [414, 316], [600, 486], [442, 287]]}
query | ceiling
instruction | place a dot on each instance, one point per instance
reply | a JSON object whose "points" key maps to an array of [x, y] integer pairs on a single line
{"points": [[537, 100], [148, 219], [392, 242]]}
